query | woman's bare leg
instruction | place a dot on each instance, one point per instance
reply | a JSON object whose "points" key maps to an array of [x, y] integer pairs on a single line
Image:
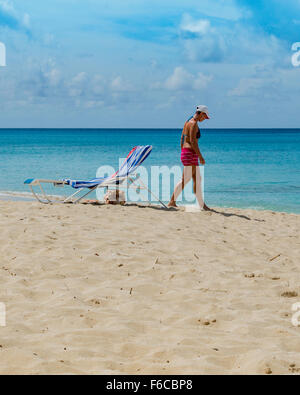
{"points": [[186, 177], [197, 187], [194, 179]]}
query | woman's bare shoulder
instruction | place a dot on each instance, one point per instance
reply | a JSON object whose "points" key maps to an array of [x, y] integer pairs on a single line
{"points": [[191, 124]]}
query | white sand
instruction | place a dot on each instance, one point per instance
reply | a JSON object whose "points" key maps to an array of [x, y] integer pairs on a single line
{"points": [[130, 290]]}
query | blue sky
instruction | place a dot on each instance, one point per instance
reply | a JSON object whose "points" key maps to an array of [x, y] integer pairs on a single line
{"points": [[148, 63]]}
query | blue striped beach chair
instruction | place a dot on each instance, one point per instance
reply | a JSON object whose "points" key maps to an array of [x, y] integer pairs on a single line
{"points": [[125, 177]]}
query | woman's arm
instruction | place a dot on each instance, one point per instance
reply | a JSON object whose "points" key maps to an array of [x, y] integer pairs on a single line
{"points": [[194, 143], [182, 137]]}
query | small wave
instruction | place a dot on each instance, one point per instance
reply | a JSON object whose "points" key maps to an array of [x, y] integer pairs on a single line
{"points": [[256, 189], [16, 195]]}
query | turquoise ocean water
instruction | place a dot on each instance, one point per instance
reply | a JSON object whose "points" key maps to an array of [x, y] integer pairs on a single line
{"points": [[244, 168]]}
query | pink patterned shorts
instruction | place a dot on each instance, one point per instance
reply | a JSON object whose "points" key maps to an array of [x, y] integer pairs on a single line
{"points": [[188, 157]]}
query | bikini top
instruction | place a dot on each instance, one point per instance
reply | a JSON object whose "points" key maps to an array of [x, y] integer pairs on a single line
{"points": [[198, 135]]}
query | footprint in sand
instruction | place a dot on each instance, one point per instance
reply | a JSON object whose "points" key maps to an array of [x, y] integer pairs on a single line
{"points": [[293, 368], [207, 322], [289, 294], [252, 275]]}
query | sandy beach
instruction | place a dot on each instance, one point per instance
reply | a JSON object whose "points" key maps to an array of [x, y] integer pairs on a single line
{"points": [[129, 290]]}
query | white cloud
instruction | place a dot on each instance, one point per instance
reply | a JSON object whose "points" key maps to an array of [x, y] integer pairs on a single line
{"points": [[202, 42], [261, 84], [119, 85], [12, 18], [80, 78], [183, 80], [234, 42], [78, 84], [202, 80], [179, 79], [26, 20], [94, 104], [225, 9], [210, 48], [98, 85], [247, 87], [7, 6], [200, 26], [47, 84], [53, 77]]}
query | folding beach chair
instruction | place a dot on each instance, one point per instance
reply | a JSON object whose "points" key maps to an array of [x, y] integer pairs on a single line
{"points": [[125, 177]]}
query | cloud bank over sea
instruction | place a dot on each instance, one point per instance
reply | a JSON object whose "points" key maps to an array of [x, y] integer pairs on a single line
{"points": [[95, 60]]}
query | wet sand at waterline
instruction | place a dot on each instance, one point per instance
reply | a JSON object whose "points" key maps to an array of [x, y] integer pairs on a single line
{"points": [[139, 290]]}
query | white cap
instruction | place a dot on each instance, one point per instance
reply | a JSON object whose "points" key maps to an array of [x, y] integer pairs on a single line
{"points": [[204, 109]]}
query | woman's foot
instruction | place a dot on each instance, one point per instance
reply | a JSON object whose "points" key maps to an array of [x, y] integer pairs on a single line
{"points": [[206, 208], [172, 203]]}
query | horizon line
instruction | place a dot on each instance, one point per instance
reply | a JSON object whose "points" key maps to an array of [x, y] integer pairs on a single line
{"points": [[137, 128]]}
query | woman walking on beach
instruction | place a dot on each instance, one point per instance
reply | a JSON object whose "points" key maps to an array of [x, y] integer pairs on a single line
{"points": [[190, 154]]}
